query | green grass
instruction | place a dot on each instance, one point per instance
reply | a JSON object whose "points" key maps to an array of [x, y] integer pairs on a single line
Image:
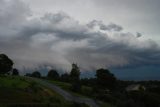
{"points": [[85, 91], [13, 82], [63, 85], [17, 91]]}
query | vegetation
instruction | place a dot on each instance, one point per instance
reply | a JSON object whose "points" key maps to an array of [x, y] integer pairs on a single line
{"points": [[105, 88], [36, 74], [110, 92], [65, 77], [105, 79], [75, 78], [15, 71], [18, 91], [85, 90], [5, 64], [53, 74], [115, 95]]}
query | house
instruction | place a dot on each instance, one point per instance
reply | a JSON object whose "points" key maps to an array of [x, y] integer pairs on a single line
{"points": [[135, 87]]}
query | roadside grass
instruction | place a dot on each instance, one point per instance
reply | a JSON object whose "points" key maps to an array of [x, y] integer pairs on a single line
{"points": [[13, 82], [16, 91], [85, 90]]}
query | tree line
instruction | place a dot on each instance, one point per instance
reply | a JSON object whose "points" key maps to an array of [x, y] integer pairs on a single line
{"points": [[105, 79], [104, 86]]}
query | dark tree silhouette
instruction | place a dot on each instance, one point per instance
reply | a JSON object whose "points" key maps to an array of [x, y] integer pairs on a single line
{"points": [[5, 64], [28, 74], [75, 78], [65, 77], [15, 71], [105, 79], [75, 72], [53, 74], [36, 74]]}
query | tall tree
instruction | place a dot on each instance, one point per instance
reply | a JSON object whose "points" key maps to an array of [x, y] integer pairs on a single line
{"points": [[53, 74], [105, 79], [5, 64], [75, 72], [75, 78]]}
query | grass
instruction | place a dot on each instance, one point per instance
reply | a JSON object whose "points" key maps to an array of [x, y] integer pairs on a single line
{"points": [[85, 91], [17, 91], [13, 82]]}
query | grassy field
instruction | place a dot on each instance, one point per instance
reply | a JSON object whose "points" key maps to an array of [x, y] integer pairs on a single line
{"points": [[85, 91], [19, 92]]}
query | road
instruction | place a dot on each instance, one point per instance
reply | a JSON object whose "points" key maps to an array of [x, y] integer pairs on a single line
{"points": [[66, 95]]}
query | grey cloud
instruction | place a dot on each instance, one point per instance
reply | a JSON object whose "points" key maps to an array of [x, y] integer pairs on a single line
{"points": [[13, 14], [58, 40], [114, 27], [138, 34], [59, 24], [109, 27]]}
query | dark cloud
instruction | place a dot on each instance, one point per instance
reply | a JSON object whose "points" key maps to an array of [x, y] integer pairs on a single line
{"points": [[110, 27], [139, 34], [58, 40]]}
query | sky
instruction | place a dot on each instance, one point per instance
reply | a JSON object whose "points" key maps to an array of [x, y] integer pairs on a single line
{"points": [[122, 35]]}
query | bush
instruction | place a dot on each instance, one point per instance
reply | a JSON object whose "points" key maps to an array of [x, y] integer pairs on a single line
{"points": [[15, 71]]}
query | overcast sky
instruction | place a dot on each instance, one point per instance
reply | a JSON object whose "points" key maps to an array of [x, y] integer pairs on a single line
{"points": [[134, 15], [91, 33]]}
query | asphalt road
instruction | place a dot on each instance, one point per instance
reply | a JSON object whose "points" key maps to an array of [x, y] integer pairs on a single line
{"points": [[66, 95]]}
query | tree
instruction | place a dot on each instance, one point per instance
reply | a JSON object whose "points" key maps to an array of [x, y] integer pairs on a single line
{"points": [[75, 78], [75, 72], [105, 79], [36, 74], [15, 71], [28, 74], [53, 74], [5, 64], [65, 77]]}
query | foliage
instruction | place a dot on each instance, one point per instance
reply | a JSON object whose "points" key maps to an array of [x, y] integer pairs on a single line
{"points": [[75, 72], [23, 95], [75, 78], [105, 79], [85, 90], [28, 74], [15, 71], [5, 64], [36, 74], [53, 74], [65, 77]]}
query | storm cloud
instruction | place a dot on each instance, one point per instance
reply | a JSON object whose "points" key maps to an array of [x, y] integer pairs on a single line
{"points": [[57, 39]]}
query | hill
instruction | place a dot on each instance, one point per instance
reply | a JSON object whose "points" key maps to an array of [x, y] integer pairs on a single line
{"points": [[17, 91]]}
